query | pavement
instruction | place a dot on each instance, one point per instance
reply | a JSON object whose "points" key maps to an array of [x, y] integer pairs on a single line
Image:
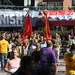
{"points": [[60, 67]]}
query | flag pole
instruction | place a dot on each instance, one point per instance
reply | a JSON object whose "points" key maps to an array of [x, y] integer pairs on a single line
{"points": [[27, 29], [24, 19], [25, 16], [47, 33]]}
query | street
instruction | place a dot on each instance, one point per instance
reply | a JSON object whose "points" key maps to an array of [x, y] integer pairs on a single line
{"points": [[61, 68], [59, 73]]}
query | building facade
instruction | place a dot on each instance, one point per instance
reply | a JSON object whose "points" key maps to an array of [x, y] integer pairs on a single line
{"points": [[61, 4]]}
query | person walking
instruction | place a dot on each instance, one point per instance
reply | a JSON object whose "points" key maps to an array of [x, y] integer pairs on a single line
{"points": [[69, 58], [58, 43], [27, 66], [4, 45], [12, 63], [47, 55]]}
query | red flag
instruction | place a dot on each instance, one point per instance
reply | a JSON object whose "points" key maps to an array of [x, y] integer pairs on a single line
{"points": [[27, 30], [47, 34]]}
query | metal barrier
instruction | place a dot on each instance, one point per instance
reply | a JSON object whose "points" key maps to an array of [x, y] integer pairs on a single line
{"points": [[4, 7]]}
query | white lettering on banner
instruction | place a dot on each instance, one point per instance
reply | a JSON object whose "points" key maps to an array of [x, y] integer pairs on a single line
{"points": [[11, 20], [2, 20], [14, 18]]}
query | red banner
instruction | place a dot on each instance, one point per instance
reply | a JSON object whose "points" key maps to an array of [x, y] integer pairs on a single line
{"points": [[63, 23], [47, 33], [27, 30]]}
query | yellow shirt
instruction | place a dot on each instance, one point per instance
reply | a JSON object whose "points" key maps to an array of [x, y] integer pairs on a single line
{"points": [[4, 46], [70, 64]]}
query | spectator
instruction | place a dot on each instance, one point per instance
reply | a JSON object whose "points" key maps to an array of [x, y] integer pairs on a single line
{"points": [[69, 58], [47, 55], [13, 63], [4, 45]]}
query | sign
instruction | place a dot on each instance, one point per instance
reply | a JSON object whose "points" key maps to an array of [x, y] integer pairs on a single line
{"points": [[61, 17], [11, 18], [60, 14], [14, 18]]}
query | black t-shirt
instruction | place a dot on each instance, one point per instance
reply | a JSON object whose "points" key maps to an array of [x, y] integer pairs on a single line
{"points": [[22, 73]]}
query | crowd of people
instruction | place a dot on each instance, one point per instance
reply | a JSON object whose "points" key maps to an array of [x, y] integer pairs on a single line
{"points": [[39, 56]]}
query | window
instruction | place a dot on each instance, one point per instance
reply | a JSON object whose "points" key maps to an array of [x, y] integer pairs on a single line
{"points": [[50, 5], [4, 2], [73, 2], [55, 5]]}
